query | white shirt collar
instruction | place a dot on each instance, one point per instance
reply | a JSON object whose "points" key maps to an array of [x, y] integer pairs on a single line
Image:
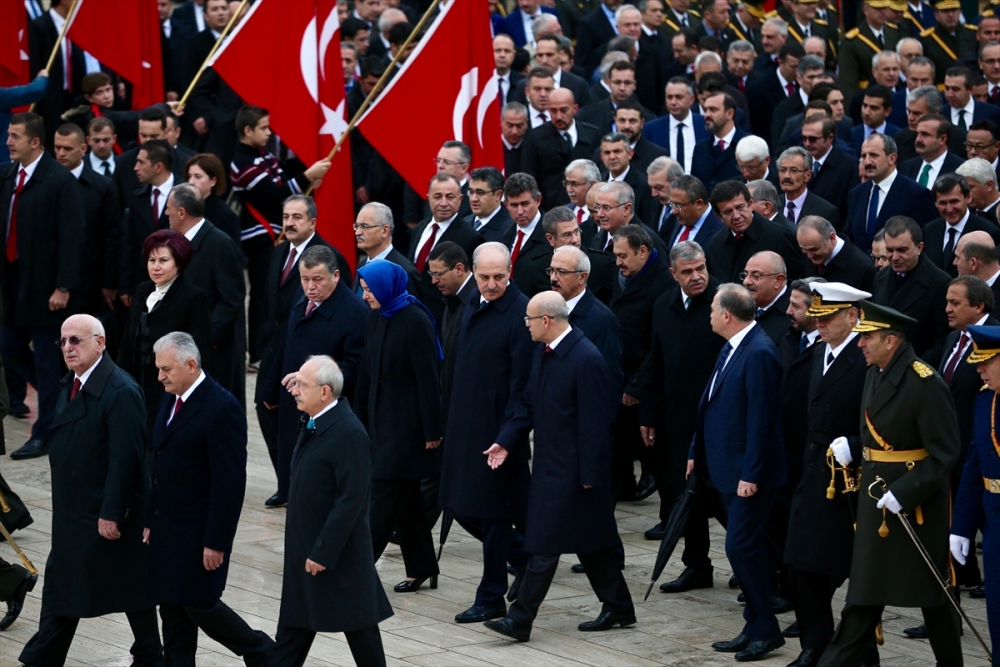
{"points": [[571, 304], [79, 170], [325, 410], [443, 225], [837, 350], [619, 177], [936, 165], [190, 390], [95, 162], [193, 232], [490, 216], [199, 16], [728, 138], [735, 341], [687, 120], [646, 30], [821, 160], [571, 131], [887, 183], [298, 248], [558, 340], [782, 80], [29, 169], [871, 130], [529, 228], [798, 201], [87, 373], [993, 279], [837, 247], [812, 336], [775, 300], [164, 189], [382, 255], [960, 225], [509, 145]]}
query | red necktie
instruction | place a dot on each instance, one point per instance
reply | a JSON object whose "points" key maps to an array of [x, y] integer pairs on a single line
{"points": [[821, 267], [541, 114], [790, 87], [288, 265], [156, 206], [741, 82], [12, 228], [949, 371], [76, 388], [684, 234], [579, 216], [516, 252], [177, 407], [547, 349], [426, 249], [722, 145], [995, 92], [311, 307]]}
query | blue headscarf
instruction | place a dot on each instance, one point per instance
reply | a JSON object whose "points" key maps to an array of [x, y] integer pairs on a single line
{"points": [[388, 282]]}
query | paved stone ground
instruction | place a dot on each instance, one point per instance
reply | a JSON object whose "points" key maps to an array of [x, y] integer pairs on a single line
{"points": [[674, 630]]}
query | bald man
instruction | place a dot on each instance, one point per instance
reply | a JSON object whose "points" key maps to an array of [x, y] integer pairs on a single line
{"points": [[976, 255]]}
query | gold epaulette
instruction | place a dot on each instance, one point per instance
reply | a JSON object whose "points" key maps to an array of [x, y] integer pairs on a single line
{"points": [[922, 369], [771, 14], [852, 33], [927, 32], [972, 27], [987, 12], [892, 25], [691, 11], [673, 26], [984, 387], [820, 22]]}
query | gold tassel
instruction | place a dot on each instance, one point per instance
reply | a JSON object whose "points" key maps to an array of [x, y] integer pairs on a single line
{"points": [[883, 531], [879, 636]]}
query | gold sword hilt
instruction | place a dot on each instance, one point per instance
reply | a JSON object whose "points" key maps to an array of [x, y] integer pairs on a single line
{"points": [[4, 505]]}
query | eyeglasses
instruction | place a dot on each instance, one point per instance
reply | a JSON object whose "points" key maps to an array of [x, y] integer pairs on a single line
{"points": [[562, 273], [438, 274], [756, 275], [791, 170], [678, 205], [744, 168], [447, 163], [978, 147], [362, 226], [300, 384], [575, 184], [73, 340], [480, 193], [606, 208], [528, 318]]}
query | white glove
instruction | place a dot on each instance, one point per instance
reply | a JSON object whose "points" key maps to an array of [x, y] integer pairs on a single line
{"points": [[959, 547], [889, 501], [841, 451]]}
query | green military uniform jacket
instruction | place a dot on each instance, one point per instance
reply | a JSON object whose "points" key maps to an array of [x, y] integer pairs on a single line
{"points": [[821, 29], [673, 26], [571, 12], [945, 49], [856, 52], [910, 408], [740, 33]]}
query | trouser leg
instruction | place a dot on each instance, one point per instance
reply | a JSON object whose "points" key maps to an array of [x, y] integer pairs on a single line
{"points": [[746, 550], [495, 536], [50, 644], [943, 628], [707, 504], [812, 594], [147, 651], [180, 636], [291, 646], [258, 252], [853, 637], [48, 370], [225, 626], [268, 421], [606, 579], [537, 579], [366, 647], [415, 539], [384, 500]]}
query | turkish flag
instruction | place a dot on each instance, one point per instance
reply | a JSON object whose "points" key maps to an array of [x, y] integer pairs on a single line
{"points": [[407, 126], [297, 75], [125, 36], [13, 44]]}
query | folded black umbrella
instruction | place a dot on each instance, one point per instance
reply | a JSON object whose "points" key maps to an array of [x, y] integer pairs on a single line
{"points": [[446, 520], [675, 528]]}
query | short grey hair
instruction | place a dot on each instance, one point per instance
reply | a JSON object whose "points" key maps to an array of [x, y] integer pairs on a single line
{"points": [[928, 93], [311, 212], [390, 17], [381, 213], [907, 40], [189, 198], [885, 54], [543, 25], [752, 147], [328, 374], [319, 254], [514, 107], [464, 152], [590, 170], [686, 251], [818, 223], [796, 151], [622, 9], [888, 143], [925, 61], [764, 190], [581, 258], [779, 24], [669, 166], [741, 45], [736, 300], [623, 192], [809, 63], [978, 170], [553, 217], [609, 59], [490, 245], [707, 55], [551, 304], [777, 261], [183, 345], [350, 46]]}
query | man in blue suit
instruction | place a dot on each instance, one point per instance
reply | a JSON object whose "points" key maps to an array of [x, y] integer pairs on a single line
{"points": [[960, 108], [895, 194], [680, 97], [738, 445], [695, 219], [714, 158], [518, 22], [875, 108]]}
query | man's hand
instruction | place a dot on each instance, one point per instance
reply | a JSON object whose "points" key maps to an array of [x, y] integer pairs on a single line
{"points": [[108, 529], [44, 73], [145, 535], [690, 468], [200, 126], [496, 455], [109, 296], [629, 400], [314, 568], [269, 406], [213, 559], [318, 170], [175, 106], [58, 300], [841, 451], [433, 444], [588, 486], [286, 381], [648, 435], [126, 300], [122, 92], [361, 194], [172, 96], [959, 547], [746, 489], [889, 502]]}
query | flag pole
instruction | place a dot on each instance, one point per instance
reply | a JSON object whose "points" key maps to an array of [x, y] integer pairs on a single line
{"points": [[381, 82], [55, 49], [211, 54]]}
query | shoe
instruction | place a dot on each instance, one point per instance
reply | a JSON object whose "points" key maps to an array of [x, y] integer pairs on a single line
{"points": [[734, 582], [793, 631], [657, 532], [413, 585], [741, 598], [740, 642], [16, 602], [690, 579], [479, 614], [808, 658], [978, 593], [515, 587], [509, 628], [578, 568], [30, 450], [608, 620], [919, 632], [511, 570], [645, 488], [253, 368], [276, 501], [780, 605], [19, 410], [394, 538], [758, 649]]}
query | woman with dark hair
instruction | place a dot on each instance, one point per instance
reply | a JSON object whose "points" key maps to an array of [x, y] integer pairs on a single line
{"points": [[163, 304], [397, 399], [205, 172]]}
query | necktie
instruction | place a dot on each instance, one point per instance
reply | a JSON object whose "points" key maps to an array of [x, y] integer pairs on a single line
{"points": [[687, 301], [177, 407], [722, 145], [949, 370], [742, 84], [156, 205], [872, 211], [961, 121], [288, 265], [805, 33], [685, 232], [760, 313], [680, 147], [311, 424], [684, 20], [881, 40], [311, 307], [791, 212], [502, 93], [568, 139], [995, 92], [949, 248], [543, 117], [803, 343], [426, 249], [830, 359], [720, 364], [738, 237], [106, 167], [610, 245], [790, 88], [12, 228], [516, 251], [547, 349], [817, 165], [579, 216], [69, 63], [820, 267], [76, 388], [478, 224], [924, 173]]}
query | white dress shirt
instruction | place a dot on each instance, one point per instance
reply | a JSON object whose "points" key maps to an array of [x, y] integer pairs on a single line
{"points": [[96, 163], [559, 338], [935, 170], [689, 138], [883, 187], [193, 232], [164, 190], [186, 395], [835, 351], [87, 373], [959, 227], [528, 229], [571, 304], [968, 109], [734, 343], [428, 230]]}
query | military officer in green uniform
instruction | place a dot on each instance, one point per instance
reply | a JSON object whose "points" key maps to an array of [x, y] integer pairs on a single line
{"points": [[679, 14], [805, 24], [949, 40], [571, 12], [860, 44], [909, 439], [746, 21]]}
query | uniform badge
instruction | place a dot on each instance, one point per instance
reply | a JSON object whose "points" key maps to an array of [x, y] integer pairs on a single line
{"points": [[922, 369]]}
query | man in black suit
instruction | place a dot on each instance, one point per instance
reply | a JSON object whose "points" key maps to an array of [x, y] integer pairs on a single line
{"points": [[746, 234], [629, 121], [834, 172], [982, 179], [562, 229], [695, 219], [765, 279], [615, 208], [526, 238], [753, 160], [952, 196], [660, 175], [714, 158], [64, 85], [216, 268], [582, 177], [932, 148], [42, 205], [767, 203], [152, 125], [373, 233], [616, 157], [550, 147], [808, 70], [489, 216], [976, 255], [831, 256], [795, 169], [765, 94], [514, 125], [622, 83], [200, 457], [196, 50], [547, 56], [715, 23], [594, 30], [915, 287]]}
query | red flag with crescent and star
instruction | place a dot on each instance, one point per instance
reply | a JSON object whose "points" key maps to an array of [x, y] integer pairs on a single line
{"points": [[285, 56], [13, 44], [411, 119]]}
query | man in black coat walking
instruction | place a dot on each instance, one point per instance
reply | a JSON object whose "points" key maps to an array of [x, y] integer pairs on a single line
{"points": [[98, 454], [330, 582], [199, 467], [831, 256]]}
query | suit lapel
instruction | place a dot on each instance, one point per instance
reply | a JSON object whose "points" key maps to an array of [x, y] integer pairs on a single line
{"points": [[66, 410], [191, 407], [733, 358]]}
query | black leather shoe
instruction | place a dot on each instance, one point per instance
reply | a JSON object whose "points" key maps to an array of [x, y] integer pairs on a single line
{"points": [[808, 658], [276, 501], [919, 632], [735, 645], [413, 585], [758, 649], [734, 582], [780, 605], [16, 602], [479, 614], [19, 410], [793, 631], [657, 532], [509, 628], [608, 620], [690, 579], [515, 587], [645, 488], [578, 568], [978, 593], [30, 450]]}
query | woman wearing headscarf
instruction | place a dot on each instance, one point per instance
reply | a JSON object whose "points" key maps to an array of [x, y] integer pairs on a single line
{"points": [[398, 401]]}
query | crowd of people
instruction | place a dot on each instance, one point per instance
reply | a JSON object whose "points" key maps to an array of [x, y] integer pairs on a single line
{"points": [[746, 260]]}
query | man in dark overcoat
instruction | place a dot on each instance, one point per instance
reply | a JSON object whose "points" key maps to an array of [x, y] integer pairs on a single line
{"points": [[491, 370], [199, 477], [97, 564], [571, 403], [330, 582]]}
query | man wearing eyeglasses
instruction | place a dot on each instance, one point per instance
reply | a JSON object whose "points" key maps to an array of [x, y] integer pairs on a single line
{"points": [[765, 279], [489, 216], [795, 172], [834, 172], [695, 219], [561, 230], [614, 209], [983, 141], [989, 63]]}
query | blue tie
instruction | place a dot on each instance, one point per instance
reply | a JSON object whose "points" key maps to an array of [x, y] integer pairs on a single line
{"points": [[720, 364], [803, 343], [872, 211], [311, 424]]}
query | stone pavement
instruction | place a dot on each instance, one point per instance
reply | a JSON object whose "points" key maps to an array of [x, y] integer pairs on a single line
{"points": [[674, 630]]}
